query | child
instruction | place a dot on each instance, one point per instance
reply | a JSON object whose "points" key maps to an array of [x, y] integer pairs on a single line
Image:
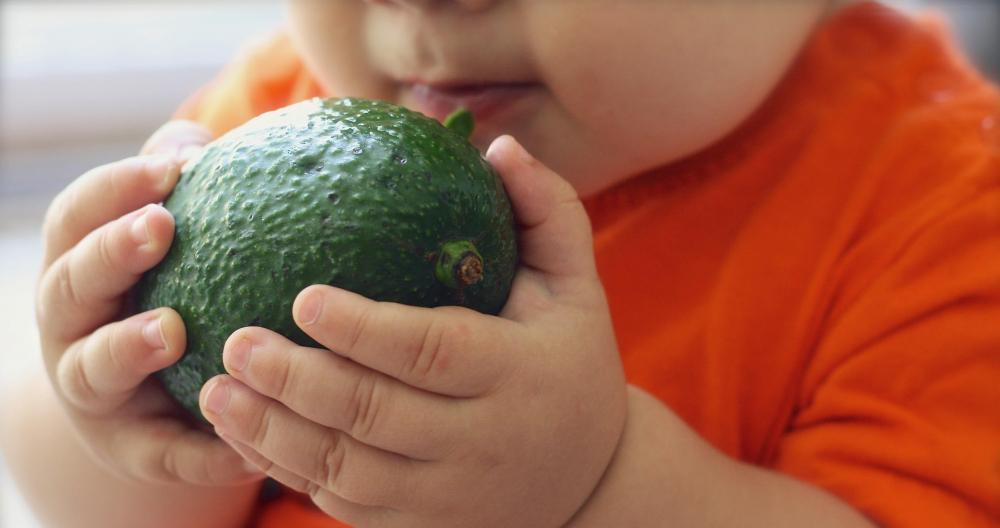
{"points": [[794, 225]]}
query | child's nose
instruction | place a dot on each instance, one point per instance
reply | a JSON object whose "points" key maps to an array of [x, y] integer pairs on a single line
{"points": [[471, 5]]}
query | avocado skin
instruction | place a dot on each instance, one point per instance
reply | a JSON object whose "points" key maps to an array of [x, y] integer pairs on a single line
{"points": [[352, 193]]}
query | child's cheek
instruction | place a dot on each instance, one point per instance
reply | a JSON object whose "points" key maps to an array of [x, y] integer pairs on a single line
{"points": [[338, 59]]}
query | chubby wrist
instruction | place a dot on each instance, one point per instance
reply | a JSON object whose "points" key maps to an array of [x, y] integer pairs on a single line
{"points": [[664, 474], [647, 477]]}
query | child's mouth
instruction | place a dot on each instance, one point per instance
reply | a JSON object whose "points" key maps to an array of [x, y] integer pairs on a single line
{"points": [[485, 100]]}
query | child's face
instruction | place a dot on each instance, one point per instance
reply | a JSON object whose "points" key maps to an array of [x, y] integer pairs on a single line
{"points": [[597, 89]]}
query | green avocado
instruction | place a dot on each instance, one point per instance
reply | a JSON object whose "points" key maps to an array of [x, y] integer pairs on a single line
{"points": [[358, 194]]}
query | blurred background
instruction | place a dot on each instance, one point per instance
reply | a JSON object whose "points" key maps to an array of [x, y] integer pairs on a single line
{"points": [[84, 83]]}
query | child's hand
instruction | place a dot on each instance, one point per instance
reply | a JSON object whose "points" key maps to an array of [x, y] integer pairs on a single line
{"points": [[442, 417], [101, 233]]}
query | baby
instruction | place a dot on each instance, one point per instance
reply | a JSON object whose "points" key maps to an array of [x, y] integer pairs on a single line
{"points": [[760, 286]]}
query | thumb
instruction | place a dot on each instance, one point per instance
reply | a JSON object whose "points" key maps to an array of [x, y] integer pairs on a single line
{"points": [[555, 236], [179, 138]]}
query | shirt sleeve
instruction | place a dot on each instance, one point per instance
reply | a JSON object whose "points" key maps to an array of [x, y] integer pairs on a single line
{"points": [[266, 75], [900, 415]]}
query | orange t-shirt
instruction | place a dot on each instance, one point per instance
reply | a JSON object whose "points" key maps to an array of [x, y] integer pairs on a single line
{"points": [[819, 293]]}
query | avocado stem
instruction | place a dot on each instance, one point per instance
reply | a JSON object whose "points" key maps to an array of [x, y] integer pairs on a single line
{"points": [[470, 270], [461, 122], [459, 264]]}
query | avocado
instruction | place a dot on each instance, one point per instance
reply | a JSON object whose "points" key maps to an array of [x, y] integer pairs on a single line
{"points": [[362, 195]]}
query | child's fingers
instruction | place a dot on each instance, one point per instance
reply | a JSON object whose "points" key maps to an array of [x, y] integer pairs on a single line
{"points": [[341, 394], [166, 450], [101, 371], [178, 138], [332, 505], [332, 459], [447, 350], [257, 461], [103, 194], [82, 289], [555, 235], [112, 190]]}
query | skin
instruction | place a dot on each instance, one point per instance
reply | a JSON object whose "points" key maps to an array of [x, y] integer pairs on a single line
{"points": [[434, 417], [698, 68]]}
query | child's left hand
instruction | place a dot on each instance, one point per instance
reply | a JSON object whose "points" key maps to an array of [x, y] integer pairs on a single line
{"points": [[443, 416]]}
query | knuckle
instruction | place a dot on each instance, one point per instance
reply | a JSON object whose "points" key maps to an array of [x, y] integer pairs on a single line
{"points": [[165, 455], [66, 288], [333, 457], [262, 463], [314, 491], [361, 324], [365, 403], [74, 381], [431, 357], [167, 464], [116, 348], [115, 174], [58, 300], [283, 376], [261, 426], [106, 250]]}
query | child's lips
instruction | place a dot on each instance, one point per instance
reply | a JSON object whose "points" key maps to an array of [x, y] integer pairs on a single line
{"points": [[483, 100]]}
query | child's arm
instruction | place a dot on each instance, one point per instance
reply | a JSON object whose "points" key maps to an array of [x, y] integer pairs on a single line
{"points": [[101, 233], [67, 488], [664, 470]]}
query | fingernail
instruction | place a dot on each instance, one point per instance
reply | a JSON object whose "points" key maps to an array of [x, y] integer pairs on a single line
{"points": [[251, 468], [152, 333], [164, 169], [310, 307], [238, 355], [217, 398], [140, 229]]}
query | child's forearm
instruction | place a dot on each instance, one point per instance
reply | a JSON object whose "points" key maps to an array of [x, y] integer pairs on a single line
{"points": [[664, 472], [66, 488]]}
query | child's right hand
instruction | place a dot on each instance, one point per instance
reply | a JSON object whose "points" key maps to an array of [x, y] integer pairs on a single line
{"points": [[101, 233]]}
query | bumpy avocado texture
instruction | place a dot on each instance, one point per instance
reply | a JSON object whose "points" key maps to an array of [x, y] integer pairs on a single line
{"points": [[359, 194]]}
